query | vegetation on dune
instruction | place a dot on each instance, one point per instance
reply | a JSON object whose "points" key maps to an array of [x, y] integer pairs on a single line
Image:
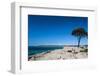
{"points": [[84, 50]]}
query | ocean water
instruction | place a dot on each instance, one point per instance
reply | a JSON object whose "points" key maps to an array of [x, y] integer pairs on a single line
{"points": [[32, 50]]}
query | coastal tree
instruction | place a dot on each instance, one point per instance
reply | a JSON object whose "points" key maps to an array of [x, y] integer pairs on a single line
{"points": [[79, 33]]}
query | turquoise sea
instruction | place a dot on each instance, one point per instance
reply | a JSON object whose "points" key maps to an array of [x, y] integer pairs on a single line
{"points": [[32, 50]]}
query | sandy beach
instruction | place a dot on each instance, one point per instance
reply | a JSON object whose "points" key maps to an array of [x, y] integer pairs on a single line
{"points": [[61, 54]]}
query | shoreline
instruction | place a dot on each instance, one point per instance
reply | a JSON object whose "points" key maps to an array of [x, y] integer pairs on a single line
{"points": [[58, 54]]}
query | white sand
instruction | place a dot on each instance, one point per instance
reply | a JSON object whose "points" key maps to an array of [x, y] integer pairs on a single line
{"points": [[61, 54]]}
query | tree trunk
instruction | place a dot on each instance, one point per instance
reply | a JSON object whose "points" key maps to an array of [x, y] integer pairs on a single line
{"points": [[79, 41]]}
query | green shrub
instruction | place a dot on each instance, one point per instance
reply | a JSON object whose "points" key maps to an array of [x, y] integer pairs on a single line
{"points": [[85, 50]]}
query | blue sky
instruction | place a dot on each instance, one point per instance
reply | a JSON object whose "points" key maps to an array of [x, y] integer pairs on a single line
{"points": [[54, 30]]}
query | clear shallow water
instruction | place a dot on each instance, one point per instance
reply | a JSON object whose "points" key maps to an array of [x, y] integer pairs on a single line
{"points": [[32, 50]]}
